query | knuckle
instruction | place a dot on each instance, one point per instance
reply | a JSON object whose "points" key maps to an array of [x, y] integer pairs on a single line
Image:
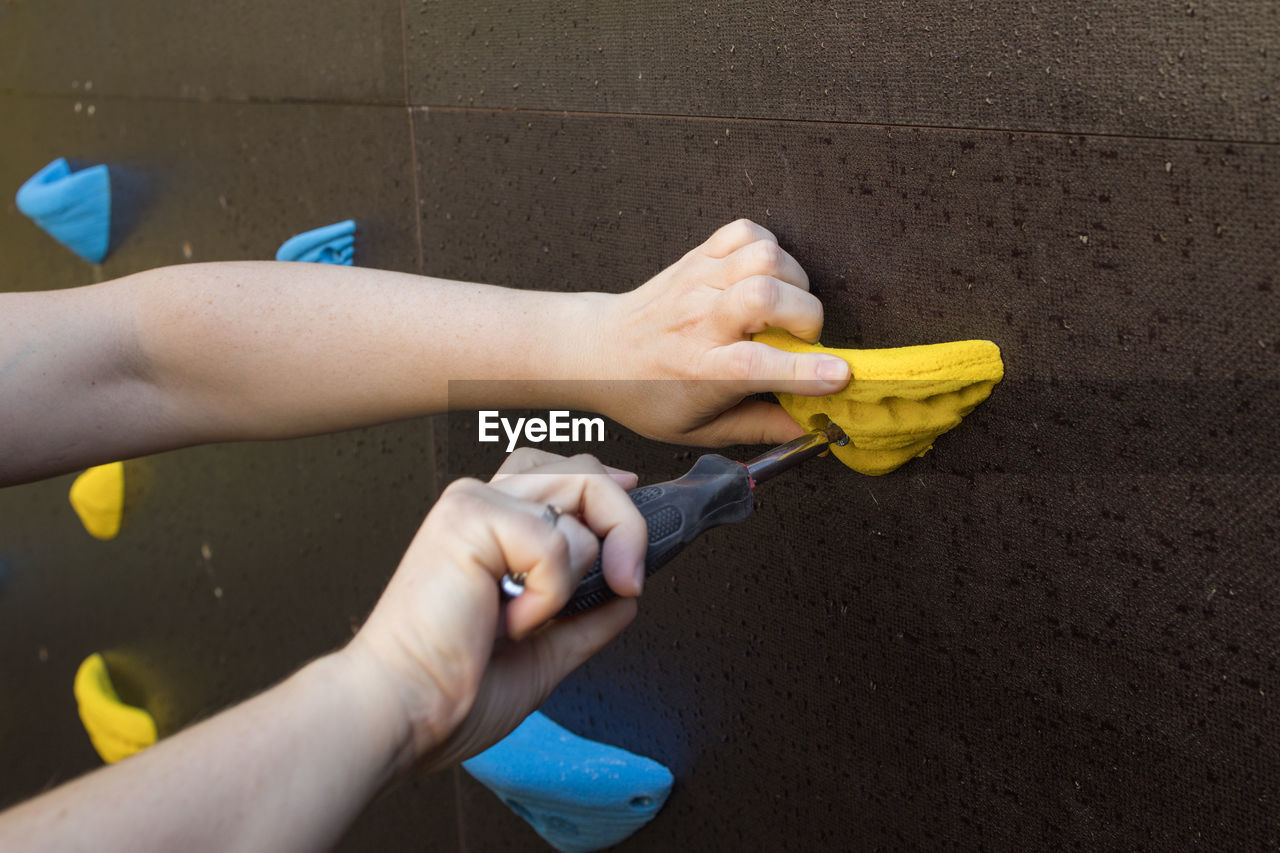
{"points": [[759, 295], [749, 230], [522, 454], [743, 229], [459, 499], [766, 255], [461, 489], [588, 462]]}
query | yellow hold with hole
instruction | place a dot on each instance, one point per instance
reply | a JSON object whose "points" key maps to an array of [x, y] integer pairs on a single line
{"points": [[898, 400]]}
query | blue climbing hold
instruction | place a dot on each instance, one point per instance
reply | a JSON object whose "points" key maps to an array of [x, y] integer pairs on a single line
{"points": [[578, 794], [73, 208], [332, 244]]}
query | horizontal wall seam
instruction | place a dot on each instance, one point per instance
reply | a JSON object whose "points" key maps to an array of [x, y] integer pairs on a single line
{"points": [[101, 97], [395, 104], [453, 108]]}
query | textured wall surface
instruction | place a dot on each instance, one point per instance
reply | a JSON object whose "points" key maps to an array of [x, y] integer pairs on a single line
{"points": [[1059, 629]]}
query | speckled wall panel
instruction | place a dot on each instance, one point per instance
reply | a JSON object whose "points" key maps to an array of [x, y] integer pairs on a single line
{"points": [[237, 563], [1082, 256], [1104, 66], [210, 182], [1058, 628], [325, 50]]}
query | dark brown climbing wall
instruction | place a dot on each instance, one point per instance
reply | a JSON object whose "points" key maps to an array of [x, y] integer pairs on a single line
{"points": [[1057, 630]]}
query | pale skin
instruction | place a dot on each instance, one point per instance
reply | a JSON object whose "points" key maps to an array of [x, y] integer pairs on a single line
{"points": [[215, 352], [442, 669]]}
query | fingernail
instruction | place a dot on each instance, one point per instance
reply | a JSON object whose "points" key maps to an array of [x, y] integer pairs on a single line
{"points": [[833, 370], [639, 574]]}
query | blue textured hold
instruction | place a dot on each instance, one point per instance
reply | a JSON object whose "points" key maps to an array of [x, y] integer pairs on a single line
{"points": [[578, 794], [74, 209], [332, 244]]}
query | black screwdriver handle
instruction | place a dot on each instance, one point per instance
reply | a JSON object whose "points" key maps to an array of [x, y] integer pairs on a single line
{"points": [[715, 491]]}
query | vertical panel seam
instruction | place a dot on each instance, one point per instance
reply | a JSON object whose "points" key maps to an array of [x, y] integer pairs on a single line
{"points": [[413, 142], [404, 51], [417, 193]]}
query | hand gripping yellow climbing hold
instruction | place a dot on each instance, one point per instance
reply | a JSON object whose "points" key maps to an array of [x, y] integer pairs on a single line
{"points": [[97, 496], [116, 730], [898, 400]]}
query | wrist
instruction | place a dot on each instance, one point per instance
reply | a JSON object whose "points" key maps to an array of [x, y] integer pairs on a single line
{"points": [[579, 335], [583, 337], [357, 685]]}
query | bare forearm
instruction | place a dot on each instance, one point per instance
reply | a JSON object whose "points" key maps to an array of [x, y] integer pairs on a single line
{"points": [[252, 350], [228, 351], [287, 770], [267, 350]]}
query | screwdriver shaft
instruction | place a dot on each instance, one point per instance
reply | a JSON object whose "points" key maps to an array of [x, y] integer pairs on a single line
{"points": [[791, 454]]}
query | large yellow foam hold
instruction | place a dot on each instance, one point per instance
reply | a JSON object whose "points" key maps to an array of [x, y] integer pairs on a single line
{"points": [[97, 496], [898, 400], [116, 730]]}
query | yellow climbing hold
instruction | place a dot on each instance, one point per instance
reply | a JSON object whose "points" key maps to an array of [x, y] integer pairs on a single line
{"points": [[898, 400], [98, 498], [116, 730]]}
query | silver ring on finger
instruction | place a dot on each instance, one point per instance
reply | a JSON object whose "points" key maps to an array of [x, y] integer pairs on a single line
{"points": [[513, 584]]}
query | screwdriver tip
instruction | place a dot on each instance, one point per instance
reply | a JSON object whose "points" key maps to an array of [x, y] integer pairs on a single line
{"points": [[835, 435]]}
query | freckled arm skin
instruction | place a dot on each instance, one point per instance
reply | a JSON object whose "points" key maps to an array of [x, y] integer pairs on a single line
{"points": [[215, 352], [261, 350]]}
